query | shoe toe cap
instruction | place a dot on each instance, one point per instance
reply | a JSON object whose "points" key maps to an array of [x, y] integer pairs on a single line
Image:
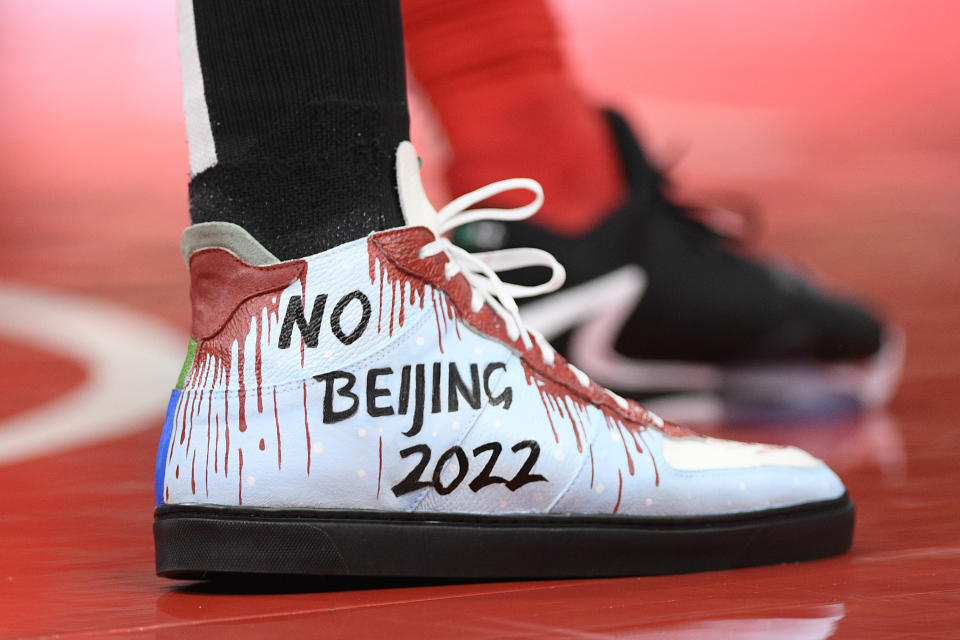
{"points": [[825, 329], [721, 476], [845, 331], [703, 477]]}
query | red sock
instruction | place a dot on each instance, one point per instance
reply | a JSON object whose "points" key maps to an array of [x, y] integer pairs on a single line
{"points": [[495, 76]]}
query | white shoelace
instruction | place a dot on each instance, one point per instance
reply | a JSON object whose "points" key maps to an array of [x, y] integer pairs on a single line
{"points": [[480, 269]]}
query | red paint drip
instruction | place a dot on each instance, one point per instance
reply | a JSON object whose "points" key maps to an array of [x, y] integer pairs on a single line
{"points": [[399, 280], [303, 285], [573, 419], [226, 423], [436, 317], [226, 449], [183, 429], [216, 444], [193, 474], [626, 451], [263, 445], [177, 473], [545, 398], [209, 413], [176, 417], [206, 464], [276, 418], [380, 468], [240, 480], [258, 361], [268, 327], [193, 407], [452, 314], [241, 386], [202, 371], [306, 424], [636, 442], [372, 261], [393, 302], [190, 433], [616, 507], [443, 313]]}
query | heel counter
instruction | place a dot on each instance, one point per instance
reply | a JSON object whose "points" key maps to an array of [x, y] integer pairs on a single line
{"points": [[220, 283]]}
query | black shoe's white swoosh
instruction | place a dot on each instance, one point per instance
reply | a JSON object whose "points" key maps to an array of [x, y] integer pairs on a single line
{"points": [[595, 312]]}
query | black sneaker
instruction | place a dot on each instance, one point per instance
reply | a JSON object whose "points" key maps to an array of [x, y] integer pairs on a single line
{"points": [[661, 308]]}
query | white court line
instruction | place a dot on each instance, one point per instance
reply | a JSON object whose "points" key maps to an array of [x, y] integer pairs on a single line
{"points": [[131, 359]]}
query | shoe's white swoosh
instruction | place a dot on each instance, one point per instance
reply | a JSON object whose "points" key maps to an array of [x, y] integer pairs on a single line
{"points": [[554, 314], [596, 311]]}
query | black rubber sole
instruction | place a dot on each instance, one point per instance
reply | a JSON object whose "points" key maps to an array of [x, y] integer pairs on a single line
{"points": [[194, 542]]}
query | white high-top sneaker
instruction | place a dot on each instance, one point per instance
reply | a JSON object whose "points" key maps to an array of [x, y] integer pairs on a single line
{"points": [[380, 409]]}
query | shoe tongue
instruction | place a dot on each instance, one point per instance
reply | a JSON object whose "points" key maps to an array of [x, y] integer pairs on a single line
{"points": [[416, 207]]}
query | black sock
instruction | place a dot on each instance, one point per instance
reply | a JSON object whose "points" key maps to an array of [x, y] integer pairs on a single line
{"points": [[294, 111]]}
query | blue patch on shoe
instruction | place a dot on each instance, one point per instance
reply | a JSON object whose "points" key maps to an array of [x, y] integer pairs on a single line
{"points": [[164, 447]]}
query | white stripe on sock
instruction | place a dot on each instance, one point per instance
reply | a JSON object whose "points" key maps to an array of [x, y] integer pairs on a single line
{"points": [[203, 150]]}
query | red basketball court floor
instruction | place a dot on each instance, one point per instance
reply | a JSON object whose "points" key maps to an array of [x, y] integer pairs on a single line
{"points": [[840, 119]]}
